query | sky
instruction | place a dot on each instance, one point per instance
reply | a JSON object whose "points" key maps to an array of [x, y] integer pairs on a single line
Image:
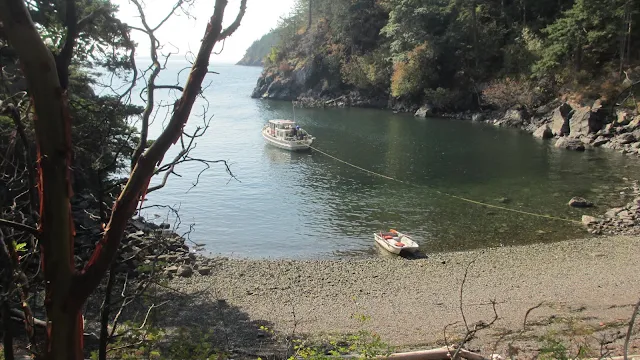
{"points": [[182, 33]]}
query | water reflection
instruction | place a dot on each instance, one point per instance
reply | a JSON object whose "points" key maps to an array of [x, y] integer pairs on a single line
{"points": [[308, 205]]}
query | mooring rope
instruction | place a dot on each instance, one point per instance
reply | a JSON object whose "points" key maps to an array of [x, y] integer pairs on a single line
{"points": [[461, 198]]}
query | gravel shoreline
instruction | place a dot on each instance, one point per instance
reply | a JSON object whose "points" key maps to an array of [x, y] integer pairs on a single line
{"points": [[409, 302]]}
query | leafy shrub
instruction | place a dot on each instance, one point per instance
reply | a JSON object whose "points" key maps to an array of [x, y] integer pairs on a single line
{"points": [[364, 344], [507, 93], [365, 72], [447, 99], [274, 56], [285, 67], [413, 74]]}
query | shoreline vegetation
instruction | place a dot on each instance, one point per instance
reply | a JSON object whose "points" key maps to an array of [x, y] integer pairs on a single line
{"points": [[560, 70]]}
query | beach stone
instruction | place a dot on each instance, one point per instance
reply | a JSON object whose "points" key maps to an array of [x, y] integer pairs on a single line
{"points": [[584, 120], [626, 138], [184, 271], [589, 220], [171, 269], [543, 132], [600, 140], [204, 271], [635, 123], [477, 117], [560, 120], [579, 202], [424, 111], [570, 144], [624, 214]]}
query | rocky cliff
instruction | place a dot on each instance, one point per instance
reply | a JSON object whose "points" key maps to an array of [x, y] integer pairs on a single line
{"points": [[255, 54]]}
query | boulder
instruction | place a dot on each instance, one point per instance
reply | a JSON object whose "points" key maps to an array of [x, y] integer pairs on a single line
{"points": [[589, 220], [513, 118], [424, 111], [584, 121], [560, 120], [477, 117], [622, 118], [599, 141], [634, 124], [626, 138], [570, 144], [204, 271], [184, 271], [579, 202], [543, 132]]}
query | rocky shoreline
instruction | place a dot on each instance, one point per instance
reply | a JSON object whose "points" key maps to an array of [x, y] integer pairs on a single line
{"points": [[146, 249]]}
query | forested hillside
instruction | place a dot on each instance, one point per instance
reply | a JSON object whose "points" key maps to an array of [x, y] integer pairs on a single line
{"points": [[453, 55], [260, 49]]}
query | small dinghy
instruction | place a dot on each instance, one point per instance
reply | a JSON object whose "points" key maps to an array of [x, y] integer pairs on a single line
{"points": [[395, 242]]}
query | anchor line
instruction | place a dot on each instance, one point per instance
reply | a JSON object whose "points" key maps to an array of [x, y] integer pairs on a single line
{"points": [[461, 198]]}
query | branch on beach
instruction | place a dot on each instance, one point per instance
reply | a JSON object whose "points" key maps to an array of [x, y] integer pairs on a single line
{"points": [[478, 326], [630, 329]]}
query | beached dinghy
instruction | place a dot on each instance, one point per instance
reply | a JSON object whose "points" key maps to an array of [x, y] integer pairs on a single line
{"points": [[395, 242]]}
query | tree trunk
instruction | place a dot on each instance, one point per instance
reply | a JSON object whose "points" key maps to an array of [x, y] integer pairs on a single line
{"points": [[310, 15], [474, 18], [66, 290], [7, 339], [104, 314], [65, 340]]}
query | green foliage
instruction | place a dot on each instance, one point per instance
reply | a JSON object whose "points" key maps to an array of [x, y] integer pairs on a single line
{"points": [[152, 343], [196, 346], [553, 349], [261, 49], [507, 93], [585, 35], [411, 76], [367, 71], [435, 50], [20, 247], [364, 345], [447, 99]]}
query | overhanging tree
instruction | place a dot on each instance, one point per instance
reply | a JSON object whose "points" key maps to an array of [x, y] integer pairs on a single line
{"points": [[48, 78]]}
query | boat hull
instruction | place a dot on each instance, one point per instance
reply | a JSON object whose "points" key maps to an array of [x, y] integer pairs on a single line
{"points": [[298, 145], [410, 245]]}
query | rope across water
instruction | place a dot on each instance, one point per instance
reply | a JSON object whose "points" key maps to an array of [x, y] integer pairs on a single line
{"points": [[550, 217]]}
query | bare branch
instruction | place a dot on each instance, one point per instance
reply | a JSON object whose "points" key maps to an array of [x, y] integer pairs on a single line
{"points": [[630, 329], [526, 315], [464, 280], [174, 87], [18, 226], [63, 59], [234, 26]]}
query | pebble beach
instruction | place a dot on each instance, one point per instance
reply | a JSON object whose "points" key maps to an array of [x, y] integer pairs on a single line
{"points": [[409, 302]]}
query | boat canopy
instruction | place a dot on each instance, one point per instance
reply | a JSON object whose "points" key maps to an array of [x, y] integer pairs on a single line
{"points": [[282, 122]]}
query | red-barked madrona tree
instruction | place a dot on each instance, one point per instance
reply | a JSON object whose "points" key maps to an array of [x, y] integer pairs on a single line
{"points": [[47, 74]]}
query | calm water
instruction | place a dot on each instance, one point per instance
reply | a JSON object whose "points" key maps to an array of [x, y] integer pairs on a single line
{"points": [[289, 205]]}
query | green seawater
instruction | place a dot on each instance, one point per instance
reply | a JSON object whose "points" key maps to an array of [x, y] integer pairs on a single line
{"points": [[306, 205]]}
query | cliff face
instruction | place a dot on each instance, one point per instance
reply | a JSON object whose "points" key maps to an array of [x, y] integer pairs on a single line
{"points": [[314, 85], [446, 56], [260, 49]]}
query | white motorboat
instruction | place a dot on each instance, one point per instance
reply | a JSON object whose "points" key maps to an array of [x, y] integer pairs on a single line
{"points": [[395, 242], [285, 134]]}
